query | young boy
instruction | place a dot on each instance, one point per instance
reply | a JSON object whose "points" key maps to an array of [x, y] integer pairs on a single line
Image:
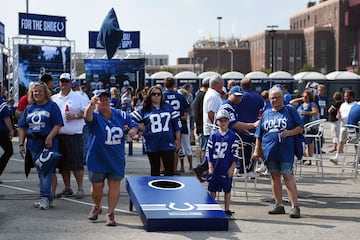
{"points": [[221, 154]]}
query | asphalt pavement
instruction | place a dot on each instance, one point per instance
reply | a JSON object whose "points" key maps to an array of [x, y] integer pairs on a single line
{"points": [[330, 207]]}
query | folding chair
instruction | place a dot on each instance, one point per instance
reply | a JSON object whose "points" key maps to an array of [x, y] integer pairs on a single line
{"points": [[317, 157], [351, 159], [244, 175]]}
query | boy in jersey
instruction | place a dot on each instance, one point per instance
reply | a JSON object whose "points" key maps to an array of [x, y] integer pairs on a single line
{"points": [[106, 153], [221, 155]]}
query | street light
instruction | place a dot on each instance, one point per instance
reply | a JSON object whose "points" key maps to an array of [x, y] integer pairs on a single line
{"points": [[218, 46], [231, 59], [272, 36], [202, 63]]}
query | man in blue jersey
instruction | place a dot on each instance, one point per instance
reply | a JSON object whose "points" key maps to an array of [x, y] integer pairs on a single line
{"points": [[249, 110], [275, 141], [221, 155], [178, 102], [106, 153]]}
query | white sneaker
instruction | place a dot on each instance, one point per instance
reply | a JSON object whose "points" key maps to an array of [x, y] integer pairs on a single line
{"points": [[335, 159], [261, 169], [252, 175], [44, 203]]}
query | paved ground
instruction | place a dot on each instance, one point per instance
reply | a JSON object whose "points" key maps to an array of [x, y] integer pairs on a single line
{"points": [[330, 208]]}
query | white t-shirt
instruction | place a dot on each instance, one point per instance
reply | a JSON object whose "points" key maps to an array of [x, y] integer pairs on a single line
{"points": [[76, 104], [344, 111], [212, 102]]}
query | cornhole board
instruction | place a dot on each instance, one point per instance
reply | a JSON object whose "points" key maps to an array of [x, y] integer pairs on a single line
{"points": [[175, 204]]}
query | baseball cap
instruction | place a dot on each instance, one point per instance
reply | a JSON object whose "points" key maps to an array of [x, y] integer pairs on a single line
{"points": [[75, 84], [236, 90], [65, 76], [126, 83], [96, 75], [222, 114], [100, 92], [112, 78], [314, 84]]}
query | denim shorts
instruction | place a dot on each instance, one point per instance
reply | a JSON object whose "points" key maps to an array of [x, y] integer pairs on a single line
{"points": [[98, 177], [203, 141], [281, 167]]}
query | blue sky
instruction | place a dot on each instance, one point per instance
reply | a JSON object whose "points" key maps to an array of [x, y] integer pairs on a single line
{"points": [[167, 26]]}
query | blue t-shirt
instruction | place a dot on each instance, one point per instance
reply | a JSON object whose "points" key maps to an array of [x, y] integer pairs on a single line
{"points": [[308, 108], [354, 115], [248, 109], [222, 151], [272, 123], [106, 146], [161, 125], [40, 120], [4, 113]]}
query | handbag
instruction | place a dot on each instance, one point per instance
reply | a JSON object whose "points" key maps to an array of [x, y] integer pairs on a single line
{"points": [[299, 142]]}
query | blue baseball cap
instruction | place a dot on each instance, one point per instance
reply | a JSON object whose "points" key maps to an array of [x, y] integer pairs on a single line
{"points": [[236, 90], [100, 92]]}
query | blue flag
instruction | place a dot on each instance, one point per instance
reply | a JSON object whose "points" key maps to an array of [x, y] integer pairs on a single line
{"points": [[110, 34]]}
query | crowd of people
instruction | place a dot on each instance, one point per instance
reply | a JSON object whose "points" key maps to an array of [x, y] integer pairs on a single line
{"points": [[168, 119]]}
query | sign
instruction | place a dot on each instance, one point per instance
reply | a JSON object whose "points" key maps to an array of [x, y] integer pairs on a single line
{"points": [[2, 34], [42, 25], [131, 39]]}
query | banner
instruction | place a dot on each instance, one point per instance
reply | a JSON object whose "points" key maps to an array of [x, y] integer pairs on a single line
{"points": [[42, 25], [34, 60], [2, 34], [131, 39], [130, 70]]}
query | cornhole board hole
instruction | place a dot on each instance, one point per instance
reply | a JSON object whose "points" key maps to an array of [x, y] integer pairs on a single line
{"points": [[175, 204]]}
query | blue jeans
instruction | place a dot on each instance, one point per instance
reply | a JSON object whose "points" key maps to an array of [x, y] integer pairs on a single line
{"points": [[45, 182]]}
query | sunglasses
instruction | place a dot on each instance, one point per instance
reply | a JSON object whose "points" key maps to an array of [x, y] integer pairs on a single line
{"points": [[64, 80], [156, 94]]}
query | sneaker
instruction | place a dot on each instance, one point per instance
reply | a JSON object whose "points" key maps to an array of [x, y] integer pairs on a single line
{"points": [[277, 210], [37, 204], [252, 175], [261, 169], [66, 193], [110, 219], [229, 213], [80, 194], [94, 213], [199, 174], [335, 159], [44, 203], [295, 212]]}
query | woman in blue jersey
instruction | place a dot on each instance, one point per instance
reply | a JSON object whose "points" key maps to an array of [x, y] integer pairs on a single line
{"points": [[274, 136], [308, 111], [106, 151], [161, 125], [39, 124]]}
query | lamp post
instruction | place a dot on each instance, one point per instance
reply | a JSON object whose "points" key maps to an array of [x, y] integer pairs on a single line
{"points": [[202, 63], [272, 36], [231, 59], [218, 46]]}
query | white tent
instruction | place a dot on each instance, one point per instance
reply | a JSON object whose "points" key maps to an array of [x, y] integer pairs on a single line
{"points": [[161, 75], [337, 75], [309, 76], [281, 75], [233, 75], [186, 75], [256, 75], [208, 74]]}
